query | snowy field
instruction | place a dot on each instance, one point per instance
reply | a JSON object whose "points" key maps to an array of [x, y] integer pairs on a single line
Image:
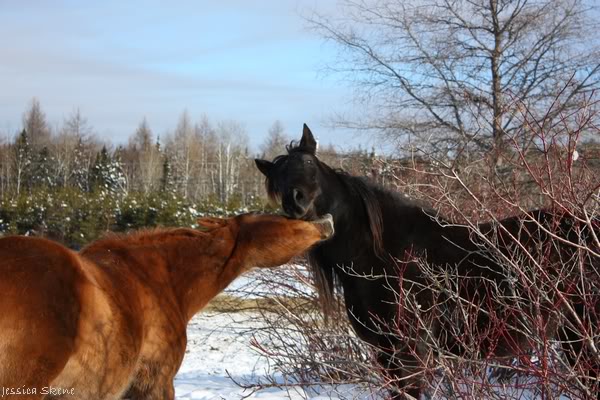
{"points": [[218, 345], [214, 347]]}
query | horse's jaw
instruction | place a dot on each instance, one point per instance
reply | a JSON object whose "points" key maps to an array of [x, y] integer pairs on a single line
{"points": [[310, 216]]}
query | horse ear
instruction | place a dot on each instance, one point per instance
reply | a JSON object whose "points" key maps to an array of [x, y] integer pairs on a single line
{"points": [[308, 140], [264, 166], [210, 223]]}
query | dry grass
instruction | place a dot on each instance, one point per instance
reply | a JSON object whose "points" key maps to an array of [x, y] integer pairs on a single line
{"points": [[228, 303]]}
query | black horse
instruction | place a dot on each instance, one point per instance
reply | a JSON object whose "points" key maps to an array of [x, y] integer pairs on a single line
{"points": [[415, 284]]}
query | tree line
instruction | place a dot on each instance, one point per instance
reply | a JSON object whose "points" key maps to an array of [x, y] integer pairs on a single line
{"points": [[194, 161], [68, 184]]}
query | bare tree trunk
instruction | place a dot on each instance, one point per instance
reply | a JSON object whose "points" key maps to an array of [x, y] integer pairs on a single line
{"points": [[497, 132]]}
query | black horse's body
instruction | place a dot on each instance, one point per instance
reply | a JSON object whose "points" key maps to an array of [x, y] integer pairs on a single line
{"points": [[382, 243]]}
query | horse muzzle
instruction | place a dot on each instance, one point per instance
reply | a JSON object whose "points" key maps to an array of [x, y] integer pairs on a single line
{"points": [[325, 226], [295, 204]]}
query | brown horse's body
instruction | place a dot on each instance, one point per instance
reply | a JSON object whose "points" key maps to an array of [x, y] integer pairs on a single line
{"points": [[110, 321]]}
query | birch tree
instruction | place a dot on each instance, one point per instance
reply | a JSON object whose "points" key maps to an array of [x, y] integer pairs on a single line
{"points": [[185, 148], [276, 140], [21, 161], [230, 155]]}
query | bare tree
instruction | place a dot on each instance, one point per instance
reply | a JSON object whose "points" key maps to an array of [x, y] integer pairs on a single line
{"points": [[148, 162], [185, 147], [34, 123], [5, 167], [74, 132], [6, 170], [276, 140], [208, 137], [449, 73], [229, 155]]}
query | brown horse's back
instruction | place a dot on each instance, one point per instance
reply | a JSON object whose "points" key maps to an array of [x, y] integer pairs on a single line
{"points": [[64, 323], [38, 282]]}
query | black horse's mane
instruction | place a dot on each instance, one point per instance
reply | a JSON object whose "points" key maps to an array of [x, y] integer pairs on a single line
{"points": [[363, 193]]}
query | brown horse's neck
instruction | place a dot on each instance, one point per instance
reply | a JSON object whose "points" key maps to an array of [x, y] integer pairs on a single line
{"points": [[195, 265], [198, 274]]}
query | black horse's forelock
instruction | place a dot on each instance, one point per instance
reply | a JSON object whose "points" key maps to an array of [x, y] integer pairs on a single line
{"points": [[296, 147]]}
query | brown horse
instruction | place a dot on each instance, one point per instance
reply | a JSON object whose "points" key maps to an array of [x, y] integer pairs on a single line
{"points": [[110, 321]]}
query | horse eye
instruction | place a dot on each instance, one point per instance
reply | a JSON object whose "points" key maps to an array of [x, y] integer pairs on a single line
{"points": [[308, 162]]}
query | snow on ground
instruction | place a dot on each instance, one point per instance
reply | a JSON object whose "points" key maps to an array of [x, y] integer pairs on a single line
{"points": [[219, 344]]}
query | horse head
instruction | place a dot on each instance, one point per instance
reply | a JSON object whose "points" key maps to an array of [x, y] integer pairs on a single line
{"points": [[296, 179]]}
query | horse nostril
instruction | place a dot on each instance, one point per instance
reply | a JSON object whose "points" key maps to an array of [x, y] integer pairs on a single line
{"points": [[298, 196]]}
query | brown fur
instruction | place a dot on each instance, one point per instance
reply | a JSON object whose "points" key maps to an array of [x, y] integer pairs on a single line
{"points": [[110, 321]]}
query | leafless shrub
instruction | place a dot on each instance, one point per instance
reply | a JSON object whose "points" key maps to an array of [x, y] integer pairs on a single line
{"points": [[304, 348], [551, 299]]}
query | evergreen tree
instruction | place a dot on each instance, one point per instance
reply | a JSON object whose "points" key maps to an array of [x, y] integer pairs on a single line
{"points": [[80, 175], [107, 173], [42, 169], [167, 185]]}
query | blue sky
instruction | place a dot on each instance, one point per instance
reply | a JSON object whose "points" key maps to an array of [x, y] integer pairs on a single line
{"points": [[118, 61]]}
